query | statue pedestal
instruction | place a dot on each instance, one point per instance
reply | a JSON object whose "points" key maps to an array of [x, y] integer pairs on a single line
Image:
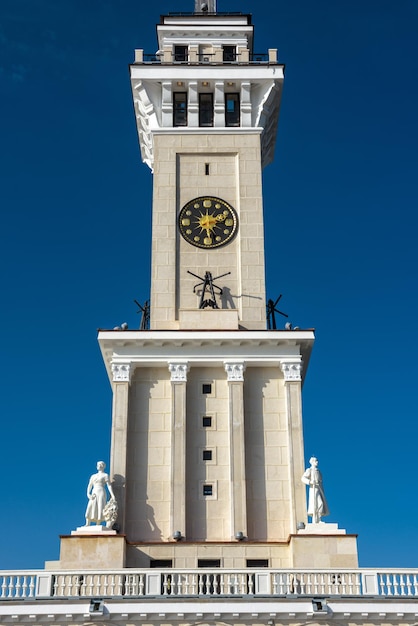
{"points": [[93, 530], [92, 549], [323, 546], [322, 529]]}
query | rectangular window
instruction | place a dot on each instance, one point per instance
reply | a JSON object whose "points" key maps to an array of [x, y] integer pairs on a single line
{"points": [[232, 109], [229, 54], [160, 563], [206, 388], [205, 109], [257, 563], [180, 108], [207, 455], [206, 421], [207, 490], [180, 53], [209, 563]]}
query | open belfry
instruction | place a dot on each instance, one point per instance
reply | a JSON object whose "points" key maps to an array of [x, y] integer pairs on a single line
{"points": [[203, 516]]}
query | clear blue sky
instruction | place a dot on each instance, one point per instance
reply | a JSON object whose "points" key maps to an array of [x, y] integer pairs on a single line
{"points": [[341, 205]]}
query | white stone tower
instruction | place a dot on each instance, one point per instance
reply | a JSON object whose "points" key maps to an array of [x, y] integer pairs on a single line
{"points": [[207, 444]]}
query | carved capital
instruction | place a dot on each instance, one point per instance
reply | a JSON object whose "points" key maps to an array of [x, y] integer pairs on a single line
{"points": [[292, 371], [122, 372], [235, 372], [178, 372]]}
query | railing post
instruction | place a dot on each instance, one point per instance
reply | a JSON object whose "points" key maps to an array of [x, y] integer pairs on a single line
{"points": [[44, 586], [153, 586], [272, 55], [369, 583], [139, 56], [262, 583]]}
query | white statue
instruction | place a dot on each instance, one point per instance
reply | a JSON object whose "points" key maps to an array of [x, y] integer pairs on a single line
{"points": [[97, 510], [317, 504]]}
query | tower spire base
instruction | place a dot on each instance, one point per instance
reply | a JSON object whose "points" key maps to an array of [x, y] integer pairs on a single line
{"points": [[205, 6]]}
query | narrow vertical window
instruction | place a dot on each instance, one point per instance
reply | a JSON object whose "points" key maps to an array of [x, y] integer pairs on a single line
{"points": [[180, 53], [232, 109], [205, 109], [180, 109], [207, 169], [229, 54]]}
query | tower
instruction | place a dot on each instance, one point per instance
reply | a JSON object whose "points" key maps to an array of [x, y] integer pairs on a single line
{"points": [[207, 116], [207, 443]]}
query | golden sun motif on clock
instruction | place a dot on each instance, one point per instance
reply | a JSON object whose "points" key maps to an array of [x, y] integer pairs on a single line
{"points": [[208, 222]]}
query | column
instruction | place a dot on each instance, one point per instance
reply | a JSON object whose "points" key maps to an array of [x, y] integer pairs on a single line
{"points": [[178, 373], [235, 377], [219, 104], [166, 104], [168, 54], [243, 54], [246, 106], [292, 373], [193, 104], [122, 374], [193, 53]]}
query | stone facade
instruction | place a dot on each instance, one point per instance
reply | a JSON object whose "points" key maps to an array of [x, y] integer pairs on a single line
{"points": [[234, 164]]}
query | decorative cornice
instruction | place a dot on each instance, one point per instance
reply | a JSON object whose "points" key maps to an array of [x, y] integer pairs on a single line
{"points": [[235, 371], [122, 372], [267, 118], [152, 94], [178, 372], [292, 371], [149, 348], [146, 119]]}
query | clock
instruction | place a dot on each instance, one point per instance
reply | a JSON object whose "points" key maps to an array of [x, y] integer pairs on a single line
{"points": [[208, 222]]}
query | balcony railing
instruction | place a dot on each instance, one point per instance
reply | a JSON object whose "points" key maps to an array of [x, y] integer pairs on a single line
{"points": [[151, 583], [188, 13], [207, 59]]}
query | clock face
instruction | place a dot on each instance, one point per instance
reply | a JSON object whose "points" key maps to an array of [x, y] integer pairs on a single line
{"points": [[208, 222]]}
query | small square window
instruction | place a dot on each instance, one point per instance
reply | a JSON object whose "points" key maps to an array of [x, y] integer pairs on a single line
{"points": [[206, 388], [207, 455], [207, 490], [206, 422]]}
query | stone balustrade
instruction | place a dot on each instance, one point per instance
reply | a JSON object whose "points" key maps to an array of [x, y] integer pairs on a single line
{"points": [[208, 583]]}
